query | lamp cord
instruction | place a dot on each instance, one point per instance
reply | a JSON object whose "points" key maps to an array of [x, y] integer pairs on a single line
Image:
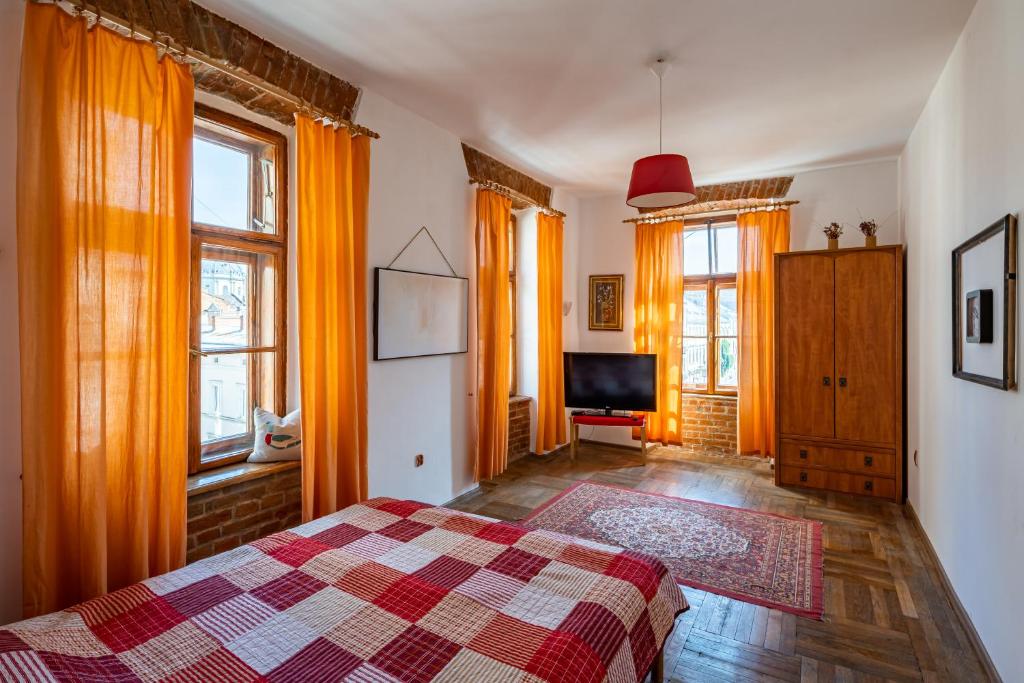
{"points": [[661, 113]]}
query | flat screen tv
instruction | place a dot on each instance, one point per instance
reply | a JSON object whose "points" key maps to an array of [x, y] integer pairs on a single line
{"points": [[611, 381]]}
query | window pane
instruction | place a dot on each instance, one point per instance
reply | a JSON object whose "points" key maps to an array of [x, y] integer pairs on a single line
{"points": [[728, 363], [695, 362], [238, 291], [695, 252], [726, 318], [695, 313], [224, 316], [727, 241], [225, 401], [220, 185], [231, 386]]}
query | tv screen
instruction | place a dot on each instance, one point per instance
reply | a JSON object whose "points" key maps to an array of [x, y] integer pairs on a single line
{"points": [[611, 381]]}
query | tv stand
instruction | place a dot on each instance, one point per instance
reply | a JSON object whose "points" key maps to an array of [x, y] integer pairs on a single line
{"points": [[601, 418]]}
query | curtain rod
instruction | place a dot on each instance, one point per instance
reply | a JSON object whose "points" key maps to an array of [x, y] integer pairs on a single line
{"points": [[512, 194], [738, 205], [163, 40]]}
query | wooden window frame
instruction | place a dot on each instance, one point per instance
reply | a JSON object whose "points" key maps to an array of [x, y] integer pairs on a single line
{"points": [[249, 246], [711, 284], [513, 264]]}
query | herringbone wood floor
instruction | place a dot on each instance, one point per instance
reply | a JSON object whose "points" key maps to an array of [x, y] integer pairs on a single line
{"points": [[887, 616]]}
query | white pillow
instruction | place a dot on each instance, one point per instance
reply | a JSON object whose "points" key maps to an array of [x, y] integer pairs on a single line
{"points": [[277, 438]]}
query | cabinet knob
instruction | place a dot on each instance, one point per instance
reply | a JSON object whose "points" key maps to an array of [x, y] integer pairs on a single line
{"points": [[803, 453], [868, 460], [803, 476], [842, 381], [869, 485], [827, 381]]}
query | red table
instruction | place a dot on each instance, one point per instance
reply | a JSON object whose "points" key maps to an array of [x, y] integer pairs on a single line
{"points": [[630, 421]]}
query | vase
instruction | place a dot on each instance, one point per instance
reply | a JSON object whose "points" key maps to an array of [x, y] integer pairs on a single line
{"points": [[870, 241], [833, 243]]}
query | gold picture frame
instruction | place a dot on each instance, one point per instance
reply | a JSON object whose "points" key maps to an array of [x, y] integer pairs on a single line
{"points": [[605, 304]]}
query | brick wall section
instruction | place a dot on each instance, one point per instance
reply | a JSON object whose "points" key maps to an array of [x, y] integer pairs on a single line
{"points": [[238, 49], [518, 427], [709, 424], [226, 518]]}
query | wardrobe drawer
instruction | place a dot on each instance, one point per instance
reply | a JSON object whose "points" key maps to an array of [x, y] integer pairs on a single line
{"points": [[811, 455], [843, 482]]}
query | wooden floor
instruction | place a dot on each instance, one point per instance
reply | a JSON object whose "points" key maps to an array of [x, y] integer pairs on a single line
{"points": [[887, 616]]}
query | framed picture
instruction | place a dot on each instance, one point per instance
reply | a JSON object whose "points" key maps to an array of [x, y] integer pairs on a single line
{"points": [[606, 302], [985, 306], [419, 314]]}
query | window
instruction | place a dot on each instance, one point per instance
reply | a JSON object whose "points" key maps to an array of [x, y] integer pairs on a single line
{"points": [[512, 299], [239, 238], [710, 347]]}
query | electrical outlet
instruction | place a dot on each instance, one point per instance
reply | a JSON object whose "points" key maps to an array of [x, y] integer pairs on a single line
{"points": [[419, 459]]}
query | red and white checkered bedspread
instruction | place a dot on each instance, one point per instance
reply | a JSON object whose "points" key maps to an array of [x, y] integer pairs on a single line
{"points": [[386, 590]]}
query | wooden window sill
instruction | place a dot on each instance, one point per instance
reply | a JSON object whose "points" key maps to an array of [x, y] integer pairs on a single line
{"points": [[220, 477]]}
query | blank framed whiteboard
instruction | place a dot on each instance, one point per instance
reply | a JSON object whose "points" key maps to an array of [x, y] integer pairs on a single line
{"points": [[419, 314]]}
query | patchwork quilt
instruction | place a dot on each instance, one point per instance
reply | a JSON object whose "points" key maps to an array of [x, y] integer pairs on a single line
{"points": [[386, 590]]}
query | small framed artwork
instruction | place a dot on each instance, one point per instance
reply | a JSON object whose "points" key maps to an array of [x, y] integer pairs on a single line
{"points": [[979, 316], [606, 302], [985, 306]]}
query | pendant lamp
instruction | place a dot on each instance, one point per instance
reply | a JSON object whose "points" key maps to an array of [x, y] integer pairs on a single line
{"points": [[662, 180]]}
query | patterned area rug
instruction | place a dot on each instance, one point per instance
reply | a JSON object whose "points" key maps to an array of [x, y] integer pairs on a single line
{"points": [[757, 557]]}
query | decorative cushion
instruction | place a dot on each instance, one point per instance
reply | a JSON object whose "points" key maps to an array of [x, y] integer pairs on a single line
{"points": [[277, 438]]}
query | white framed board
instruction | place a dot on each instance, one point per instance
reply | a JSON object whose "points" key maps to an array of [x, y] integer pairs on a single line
{"points": [[419, 314]]}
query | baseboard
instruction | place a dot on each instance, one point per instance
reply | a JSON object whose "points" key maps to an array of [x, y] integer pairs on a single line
{"points": [[465, 494], [954, 600]]}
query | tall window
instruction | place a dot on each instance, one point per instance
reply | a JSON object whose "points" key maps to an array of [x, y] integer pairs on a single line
{"points": [[512, 299], [239, 238], [710, 350]]}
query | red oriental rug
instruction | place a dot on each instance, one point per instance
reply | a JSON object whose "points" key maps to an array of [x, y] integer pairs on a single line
{"points": [[757, 557]]}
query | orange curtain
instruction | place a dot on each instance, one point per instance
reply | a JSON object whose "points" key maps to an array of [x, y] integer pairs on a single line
{"points": [[333, 182], [550, 392], [493, 320], [658, 327], [104, 156], [762, 235]]}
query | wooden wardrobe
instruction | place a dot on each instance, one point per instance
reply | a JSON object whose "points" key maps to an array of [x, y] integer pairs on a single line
{"points": [[839, 370]]}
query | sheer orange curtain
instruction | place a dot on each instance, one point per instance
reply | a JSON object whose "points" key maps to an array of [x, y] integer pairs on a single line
{"points": [[550, 392], [657, 326], [104, 154], [493, 320], [333, 183], [762, 235]]}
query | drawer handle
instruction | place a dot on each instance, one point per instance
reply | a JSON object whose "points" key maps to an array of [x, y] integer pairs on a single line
{"points": [[803, 453], [842, 381], [827, 381], [803, 476], [869, 486], [868, 460]]}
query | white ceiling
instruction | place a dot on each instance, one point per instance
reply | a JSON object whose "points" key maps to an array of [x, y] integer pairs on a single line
{"points": [[560, 88]]}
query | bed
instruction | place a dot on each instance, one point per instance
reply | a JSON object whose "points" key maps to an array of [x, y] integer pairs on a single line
{"points": [[387, 590]]}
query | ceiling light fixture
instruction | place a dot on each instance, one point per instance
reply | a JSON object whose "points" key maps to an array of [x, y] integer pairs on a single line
{"points": [[662, 180]]}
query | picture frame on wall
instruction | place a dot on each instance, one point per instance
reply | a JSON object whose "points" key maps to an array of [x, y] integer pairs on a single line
{"points": [[605, 303], [985, 306]]}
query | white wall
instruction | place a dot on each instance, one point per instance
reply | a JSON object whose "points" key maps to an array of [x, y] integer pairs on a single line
{"points": [[962, 169], [419, 405], [846, 195], [11, 15]]}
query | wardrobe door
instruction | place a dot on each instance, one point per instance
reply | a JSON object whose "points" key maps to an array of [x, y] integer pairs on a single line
{"points": [[866, 340], [805, 344]]}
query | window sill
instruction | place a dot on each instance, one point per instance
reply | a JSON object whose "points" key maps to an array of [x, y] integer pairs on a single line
{"points": [[704, 394], [517, 398], [236, 473]]}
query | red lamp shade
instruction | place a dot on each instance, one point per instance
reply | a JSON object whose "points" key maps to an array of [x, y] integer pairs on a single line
{"points": [[661, 181]]}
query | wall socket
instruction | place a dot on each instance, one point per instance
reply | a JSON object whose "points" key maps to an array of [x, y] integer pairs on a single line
{"points": [[419, 459]]}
